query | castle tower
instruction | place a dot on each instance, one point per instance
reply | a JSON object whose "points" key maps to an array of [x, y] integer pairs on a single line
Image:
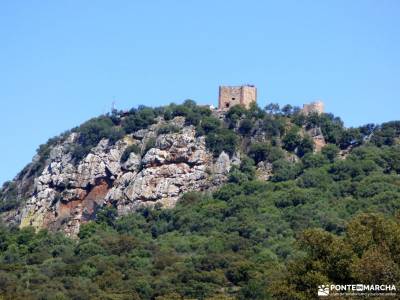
{"points": [[313, 107], [235, 95]]}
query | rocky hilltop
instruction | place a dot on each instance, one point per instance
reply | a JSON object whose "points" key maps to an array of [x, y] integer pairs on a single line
{"points": [[150, 157], [65, 194]]}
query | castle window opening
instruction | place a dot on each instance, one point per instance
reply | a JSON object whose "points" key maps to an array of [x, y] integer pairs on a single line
{"points": [[233, 98], [227, 105]]}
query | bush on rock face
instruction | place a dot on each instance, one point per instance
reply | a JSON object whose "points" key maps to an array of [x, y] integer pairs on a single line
{"points": [[92, 132], [210, 124], [130, 149], [291, 140], [222, 140], [265, 152], [168, 129], [138, 119], [150, 144]]}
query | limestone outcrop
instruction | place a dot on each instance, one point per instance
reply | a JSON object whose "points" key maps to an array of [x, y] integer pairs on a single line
{"points": [[67, 194], [318, 138]]}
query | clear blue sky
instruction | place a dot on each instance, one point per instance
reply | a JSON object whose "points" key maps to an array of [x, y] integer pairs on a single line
{"points": [[62, 62]]}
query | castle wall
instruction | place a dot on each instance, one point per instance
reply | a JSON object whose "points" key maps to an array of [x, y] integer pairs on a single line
{"points": [[313, 107], [233, 95], [249, 95], [229, 96]]}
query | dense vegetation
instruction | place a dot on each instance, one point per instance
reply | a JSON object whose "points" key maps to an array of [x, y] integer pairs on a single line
{"points": [[329, 221], [279, 126], [320, 218]]}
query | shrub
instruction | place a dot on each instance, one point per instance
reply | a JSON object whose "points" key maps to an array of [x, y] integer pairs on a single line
{"points": [[236, 176], [192, 118], [190, 198], [255, 112], [210, 124], [169, 128], [265, 152], [284, 170], [246, 126], [107, 215], [132, 148], [306, 145], [386, 133], [78, 152], [350, 137], [92, 132], [222, 140], [9, 191], [272, 108], [273, 126], [330, 151], [246, 171], [150, 144], [316, 160], [331, 127], [115, 135], [139, 119], [6, 205], [192, 112], [315, 178], [234, 114], [291, 140]]}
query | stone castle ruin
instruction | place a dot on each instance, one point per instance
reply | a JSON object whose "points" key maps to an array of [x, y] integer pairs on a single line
{"points": [[234, 95], [313, 107], [245, 95]]}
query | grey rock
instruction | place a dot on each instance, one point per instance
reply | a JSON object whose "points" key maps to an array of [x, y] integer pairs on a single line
{"points": [[132, 163], [223, 164], [264, 170], [66, 193]]}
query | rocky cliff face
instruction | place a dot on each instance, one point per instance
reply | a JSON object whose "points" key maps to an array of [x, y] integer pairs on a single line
{"points": [[67, 194], [77, 173]]}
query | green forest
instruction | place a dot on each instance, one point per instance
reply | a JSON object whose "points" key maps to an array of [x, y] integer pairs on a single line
{"points": [[320, 219]]}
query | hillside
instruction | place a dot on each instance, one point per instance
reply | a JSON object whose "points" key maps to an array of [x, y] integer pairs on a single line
{"points": [[181, 202]]}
